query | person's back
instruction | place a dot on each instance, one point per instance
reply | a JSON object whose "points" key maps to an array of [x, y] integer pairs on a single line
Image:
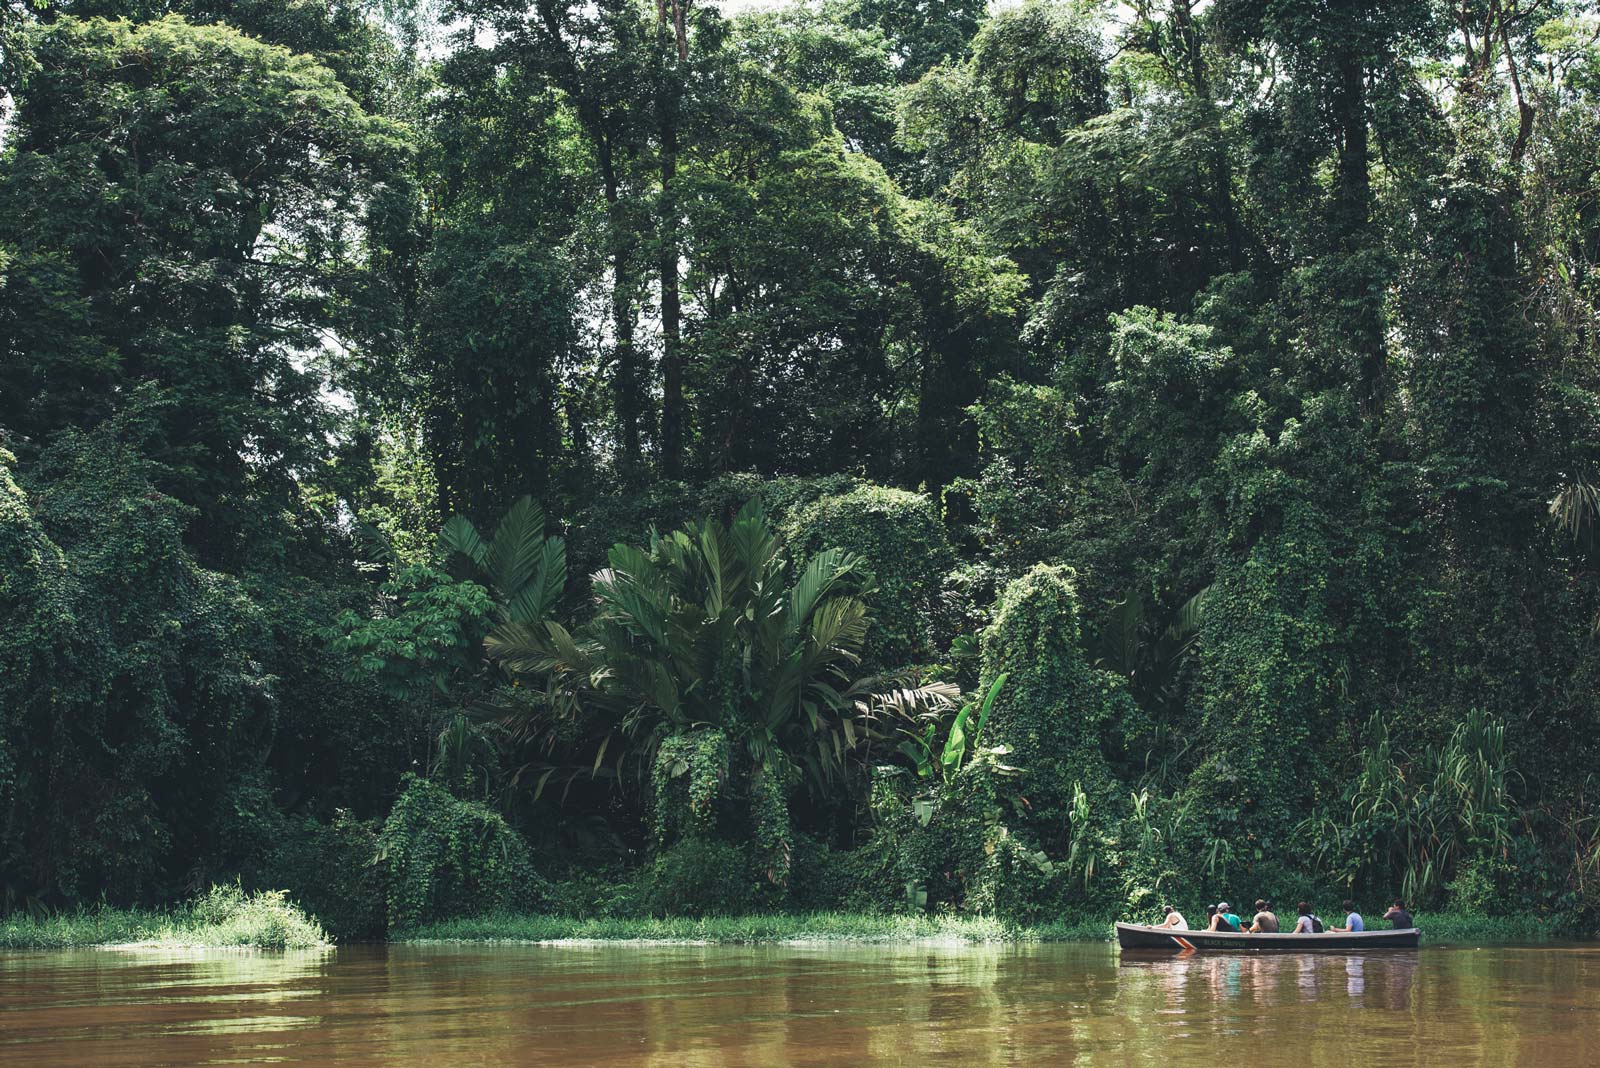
{"points": [[1352, 919], [1306, 923], [1265, 920], [1171, 917], [1230, 918], [1400, 917]]}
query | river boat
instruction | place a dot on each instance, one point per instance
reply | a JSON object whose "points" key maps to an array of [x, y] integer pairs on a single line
{"points": [[1138, 936]]}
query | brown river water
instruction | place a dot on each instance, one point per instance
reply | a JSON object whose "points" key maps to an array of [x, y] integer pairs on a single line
{"points": [[833, 1006]]}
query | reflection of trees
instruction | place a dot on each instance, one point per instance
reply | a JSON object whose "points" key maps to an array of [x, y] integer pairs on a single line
{"points": [[632, 1006]]}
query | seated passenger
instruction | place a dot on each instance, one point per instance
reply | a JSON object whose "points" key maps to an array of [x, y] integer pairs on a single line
{"points": [[1265, 920], [1171, 917], [1225, 919], [1352, 920], [1308, 923], [1399, 916]]}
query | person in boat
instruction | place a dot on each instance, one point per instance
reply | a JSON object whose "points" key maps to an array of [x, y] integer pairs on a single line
{"points": [[1265, 920], [1308, 922], [1224, 919], [1400, 916], [1352, 920], [1171, 917]]}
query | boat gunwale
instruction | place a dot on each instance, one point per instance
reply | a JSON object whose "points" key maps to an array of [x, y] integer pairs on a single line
{"points": [[1169, 939]]}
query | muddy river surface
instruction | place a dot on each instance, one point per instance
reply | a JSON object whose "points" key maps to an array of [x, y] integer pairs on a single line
{"points": [[833, 1006]]}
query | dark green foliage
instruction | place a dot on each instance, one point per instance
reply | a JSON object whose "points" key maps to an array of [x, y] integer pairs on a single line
{"points": [[1064, 722], [702, 877], [902, 538], [116, 631], [159, 180], [443, 857], [1222, 376], [332, 871]]}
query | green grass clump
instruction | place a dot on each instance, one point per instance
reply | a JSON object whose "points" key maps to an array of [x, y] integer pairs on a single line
{"points": [[1446, 928], [806, 927], [223, 917]]}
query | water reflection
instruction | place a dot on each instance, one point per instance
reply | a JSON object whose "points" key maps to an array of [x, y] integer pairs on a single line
{"points": [[833, 1007]]}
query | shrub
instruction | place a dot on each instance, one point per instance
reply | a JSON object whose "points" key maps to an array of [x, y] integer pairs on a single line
{"points": [[701, 877], [332, 869], [229, 916], [903, 539], [866, 879], [444, 857], [1059, 716]]}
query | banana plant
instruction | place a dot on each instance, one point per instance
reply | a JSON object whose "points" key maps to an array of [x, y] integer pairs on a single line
{"points": [[964, 733], [917, 719]]}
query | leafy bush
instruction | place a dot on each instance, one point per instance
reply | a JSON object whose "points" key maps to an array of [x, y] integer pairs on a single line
{"points": [[1061, 719], [332, 870], [445, 857], [902, 537], [131, 690], [228, 916], [224, 916], [702, 877]]}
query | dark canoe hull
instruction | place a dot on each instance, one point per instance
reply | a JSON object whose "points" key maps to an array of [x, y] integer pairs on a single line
{"points": [[1135, 936]]}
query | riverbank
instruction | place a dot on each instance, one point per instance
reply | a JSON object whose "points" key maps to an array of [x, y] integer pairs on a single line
{"points": [[226, 919], [817, 927], [826, 927]]}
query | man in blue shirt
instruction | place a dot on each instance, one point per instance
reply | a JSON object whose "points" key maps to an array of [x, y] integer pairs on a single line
{"points": [[1352, 920]]}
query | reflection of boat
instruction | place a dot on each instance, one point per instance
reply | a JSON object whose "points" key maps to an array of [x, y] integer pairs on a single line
{"points": [[1136, 936]]}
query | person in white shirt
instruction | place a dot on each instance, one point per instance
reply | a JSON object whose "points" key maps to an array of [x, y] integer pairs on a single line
{"points": [[1173, 918], [1307, 923]]}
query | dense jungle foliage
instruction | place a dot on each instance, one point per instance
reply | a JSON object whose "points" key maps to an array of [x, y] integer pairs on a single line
{"points": [[627, 459]]}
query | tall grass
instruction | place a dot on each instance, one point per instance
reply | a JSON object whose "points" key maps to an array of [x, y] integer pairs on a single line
{"points": [[1449, 929], [224, 916], [810, 927]]}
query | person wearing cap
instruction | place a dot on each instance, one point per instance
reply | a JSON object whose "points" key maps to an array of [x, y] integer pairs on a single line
{"points": [[1171, 917], [1226, 919]]}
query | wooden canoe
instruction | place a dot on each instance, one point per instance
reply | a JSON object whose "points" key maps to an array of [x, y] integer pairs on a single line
{"points": [[1137, 936]]}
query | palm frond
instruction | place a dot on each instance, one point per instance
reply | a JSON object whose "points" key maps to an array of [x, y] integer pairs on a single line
{"points": [[460, 536], [517, 548]]}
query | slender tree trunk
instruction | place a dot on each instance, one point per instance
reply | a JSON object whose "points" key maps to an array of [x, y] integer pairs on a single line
{"points": [[669, 95], [1221, 171], [1352, 221], [626, 377], [678, 29], [672, 413]]}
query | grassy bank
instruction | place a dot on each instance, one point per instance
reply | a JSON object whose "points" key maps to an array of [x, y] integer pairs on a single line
{"points": [[809, 927], [225, 917], [1448, 928]]}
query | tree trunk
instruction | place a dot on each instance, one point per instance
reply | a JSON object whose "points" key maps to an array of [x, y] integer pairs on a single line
{"points": [[1352, 210], [672, 414], [626, 378]]}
